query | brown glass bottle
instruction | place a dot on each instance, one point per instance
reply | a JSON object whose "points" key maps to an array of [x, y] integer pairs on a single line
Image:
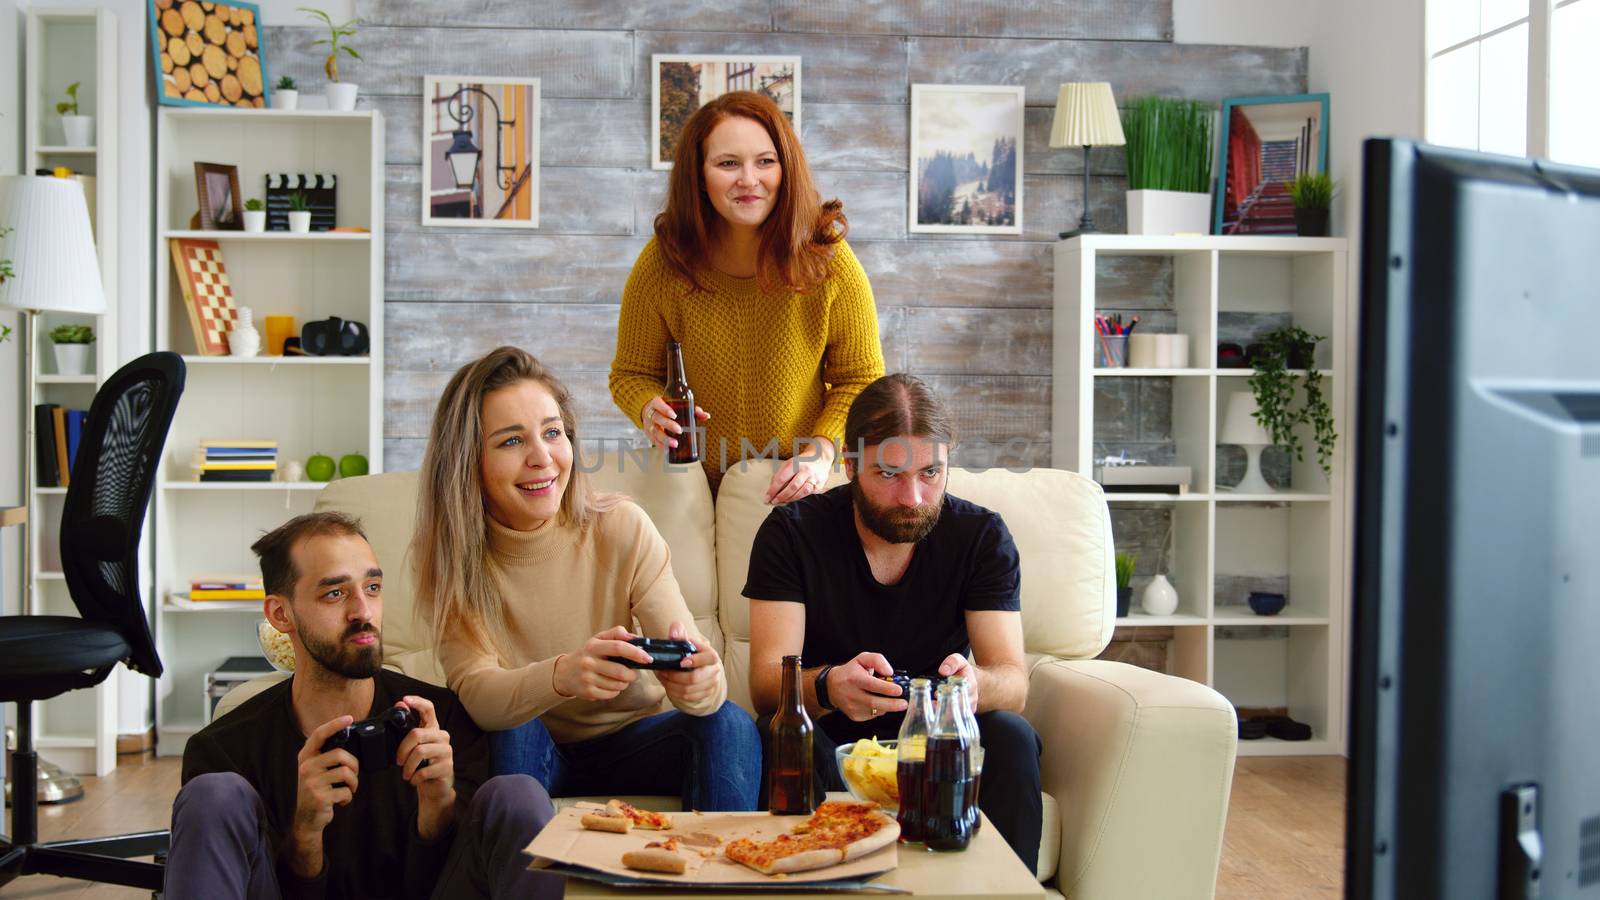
{"points": [[789, 772], [681, 399]]}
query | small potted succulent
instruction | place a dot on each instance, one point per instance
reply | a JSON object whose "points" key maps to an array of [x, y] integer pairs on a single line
{"points": [[78, 129], [285, 94], [72, 348], [341, 94], [299, 213], [1125, 563], [1312, 193], [255, 215]]}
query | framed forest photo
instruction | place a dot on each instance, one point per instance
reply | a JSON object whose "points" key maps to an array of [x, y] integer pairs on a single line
{"points": [[966, 159]]}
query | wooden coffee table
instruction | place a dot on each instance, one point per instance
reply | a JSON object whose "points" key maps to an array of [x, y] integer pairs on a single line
{"points": [[987, 868]]}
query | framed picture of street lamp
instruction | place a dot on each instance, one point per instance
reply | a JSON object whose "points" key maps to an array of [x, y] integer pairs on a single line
{"points": [[681, 84], [480, 151], [966, 159], [1267, 142]]}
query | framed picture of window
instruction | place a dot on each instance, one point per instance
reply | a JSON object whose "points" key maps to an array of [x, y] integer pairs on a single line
{"points": [[1267, 142], [681, 84]]}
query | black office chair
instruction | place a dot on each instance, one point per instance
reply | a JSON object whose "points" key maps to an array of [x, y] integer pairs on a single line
{"points": [[42, 656]]}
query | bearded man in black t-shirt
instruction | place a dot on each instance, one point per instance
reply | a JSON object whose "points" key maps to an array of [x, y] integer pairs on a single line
{"points": [[266, 812], [890, 572]]}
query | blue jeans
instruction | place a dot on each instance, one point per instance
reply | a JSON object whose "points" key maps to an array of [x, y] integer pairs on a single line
{"points": [[713, 762]]}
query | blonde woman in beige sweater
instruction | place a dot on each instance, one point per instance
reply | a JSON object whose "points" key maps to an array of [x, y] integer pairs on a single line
{"points": [[531, 581]]}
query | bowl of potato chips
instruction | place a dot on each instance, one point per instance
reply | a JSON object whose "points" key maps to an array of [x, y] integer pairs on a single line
{"points": [[868, 768], [275, 646]]}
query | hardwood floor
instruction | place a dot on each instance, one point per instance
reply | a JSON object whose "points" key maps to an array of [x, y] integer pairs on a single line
{"points": [[1285, 836]]}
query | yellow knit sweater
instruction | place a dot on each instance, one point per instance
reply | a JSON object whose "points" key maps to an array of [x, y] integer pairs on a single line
{"points": [[766, 364]]}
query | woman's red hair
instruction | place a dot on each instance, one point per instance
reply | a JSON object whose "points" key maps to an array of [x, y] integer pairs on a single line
{"points": [[798, 236]]}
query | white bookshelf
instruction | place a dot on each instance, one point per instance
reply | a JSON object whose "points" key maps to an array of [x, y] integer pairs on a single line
{"points": [[77, 730], [330, 405], [1293, 660]]}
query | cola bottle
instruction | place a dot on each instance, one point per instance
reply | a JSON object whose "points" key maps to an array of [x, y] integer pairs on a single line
{"points": [[947, 778], [911, 756], [969, 720], [681, 399], [789, 771]]}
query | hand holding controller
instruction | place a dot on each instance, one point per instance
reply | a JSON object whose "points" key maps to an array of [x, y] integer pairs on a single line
{"points": [[664, 653], [375, 741]]}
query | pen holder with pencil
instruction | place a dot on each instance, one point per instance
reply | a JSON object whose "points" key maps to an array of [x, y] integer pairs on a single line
{"points": [[1111, 351]]}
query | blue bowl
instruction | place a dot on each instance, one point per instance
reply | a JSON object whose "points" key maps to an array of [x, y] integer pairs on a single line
{"points": [[1267, 604]]}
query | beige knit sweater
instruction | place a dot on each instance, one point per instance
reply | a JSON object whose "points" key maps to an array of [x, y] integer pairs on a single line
{"points": [[563, 589]]}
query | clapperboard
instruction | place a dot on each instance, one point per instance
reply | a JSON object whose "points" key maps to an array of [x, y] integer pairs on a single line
{"points": [[320, 192]]}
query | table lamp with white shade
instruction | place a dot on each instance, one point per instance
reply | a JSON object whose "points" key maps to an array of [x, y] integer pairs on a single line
{"points": [[1239, 426], [1086, 116], [47, 238]]}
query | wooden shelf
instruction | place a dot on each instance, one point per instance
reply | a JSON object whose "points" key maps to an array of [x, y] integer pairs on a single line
{"points": [[180, 603], [243, 485], [65, 379], [275, 361], [1134, 619], [62, 150], [272, 237], [1224, 495], [1192, 497], [1251, 619]]}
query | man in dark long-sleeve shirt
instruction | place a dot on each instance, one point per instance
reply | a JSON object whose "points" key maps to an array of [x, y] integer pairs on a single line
{"points": [[264, 813]]}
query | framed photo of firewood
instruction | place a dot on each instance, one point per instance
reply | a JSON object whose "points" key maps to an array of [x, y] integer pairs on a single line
{"points": [[208, 54], [216, 186]]}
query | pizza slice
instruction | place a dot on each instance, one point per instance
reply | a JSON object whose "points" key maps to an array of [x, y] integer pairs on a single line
{"points": [[641, 818], [837, 832]]}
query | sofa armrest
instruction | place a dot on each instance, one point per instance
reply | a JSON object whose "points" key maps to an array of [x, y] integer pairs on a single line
{"points": [[1142, 766]]}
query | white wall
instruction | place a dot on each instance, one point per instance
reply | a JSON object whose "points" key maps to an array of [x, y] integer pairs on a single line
{"points": [[11, 29]]}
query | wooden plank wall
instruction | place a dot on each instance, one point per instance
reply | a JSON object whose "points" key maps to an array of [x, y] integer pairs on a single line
{"points": [[971, 314]]}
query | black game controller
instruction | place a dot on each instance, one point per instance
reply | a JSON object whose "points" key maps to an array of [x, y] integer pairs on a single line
{"points": [[902, 678], [664, 653], [375, 741]]}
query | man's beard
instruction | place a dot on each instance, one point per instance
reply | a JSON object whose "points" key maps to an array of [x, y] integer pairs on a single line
{"points": [[896, 525], [342, 658]]}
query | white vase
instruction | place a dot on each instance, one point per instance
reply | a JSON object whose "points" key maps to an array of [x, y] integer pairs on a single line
{"points": [[1168, 212], [72, 359], [342, 95], [79, 130], [300, 222], [1160, 598], [282, 99], [255, 220], [243, 338]]}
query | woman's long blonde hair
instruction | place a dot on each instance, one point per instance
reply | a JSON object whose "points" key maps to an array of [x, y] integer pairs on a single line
{"points": [[458, 581]]}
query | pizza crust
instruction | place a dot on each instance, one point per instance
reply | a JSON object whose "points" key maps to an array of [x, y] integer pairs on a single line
{"points": [[656, 859], [614, 824], [873, 842]]}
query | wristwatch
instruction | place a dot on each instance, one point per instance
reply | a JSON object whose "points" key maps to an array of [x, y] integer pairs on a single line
{"points": [[822, 688]]}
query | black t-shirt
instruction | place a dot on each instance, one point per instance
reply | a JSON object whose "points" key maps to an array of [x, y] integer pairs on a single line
{"points": [[809, 552], [371, 848]]}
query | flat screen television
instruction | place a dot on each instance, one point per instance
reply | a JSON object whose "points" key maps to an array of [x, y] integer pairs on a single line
{"points": [[1475, 683]]}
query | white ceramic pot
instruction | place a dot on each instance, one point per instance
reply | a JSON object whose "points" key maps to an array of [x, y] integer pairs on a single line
{"points": [[282, 99], [255, 220], [72, 359], [1168, 212], [300, 222], [342, 95], [79, 130], [1160, 598]]}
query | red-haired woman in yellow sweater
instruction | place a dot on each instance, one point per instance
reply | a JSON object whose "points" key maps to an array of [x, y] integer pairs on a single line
{"points": [[750, 272]]}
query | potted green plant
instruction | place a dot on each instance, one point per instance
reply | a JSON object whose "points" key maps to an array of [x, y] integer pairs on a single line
{"points": [[341, 94], [299, 213], [285, 94], [6, 274], [1312, 193], [72, 348], [1289, 392], [255, 215], [1125, 563], [1169, 165], [78, 129]]}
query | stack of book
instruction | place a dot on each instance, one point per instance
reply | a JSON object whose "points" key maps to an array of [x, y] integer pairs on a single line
{"points": [[235, 460], [56, 433], [226, 587]]}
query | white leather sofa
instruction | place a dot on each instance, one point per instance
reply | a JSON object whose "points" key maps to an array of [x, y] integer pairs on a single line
{"points": [[1137, 765]]}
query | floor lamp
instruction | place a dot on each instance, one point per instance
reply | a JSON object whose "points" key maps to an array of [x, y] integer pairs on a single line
{"points": [[47, 238]]}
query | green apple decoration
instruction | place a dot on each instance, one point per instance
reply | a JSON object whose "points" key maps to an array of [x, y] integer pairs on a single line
{"points": [[320, 468], [352, 465]]}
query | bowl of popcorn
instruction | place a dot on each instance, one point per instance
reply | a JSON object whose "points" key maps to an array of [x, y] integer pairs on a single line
{"points": [[868, 768], [275, 646]]}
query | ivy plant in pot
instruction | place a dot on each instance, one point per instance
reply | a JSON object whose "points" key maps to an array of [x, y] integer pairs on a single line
{"points": [[1289, 393], [341, 94], [1125, 563], [1169, 165], [1312, 193], [76, 128], [72, 348]]}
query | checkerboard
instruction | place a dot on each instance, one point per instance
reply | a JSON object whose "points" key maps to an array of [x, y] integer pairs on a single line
{"points": [[207, 293]]}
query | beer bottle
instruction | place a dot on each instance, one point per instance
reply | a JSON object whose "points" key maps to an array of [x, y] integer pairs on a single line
{"points": [[681, 399], [947, 776], [912, 758], [969, 719], [789, 770]]}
